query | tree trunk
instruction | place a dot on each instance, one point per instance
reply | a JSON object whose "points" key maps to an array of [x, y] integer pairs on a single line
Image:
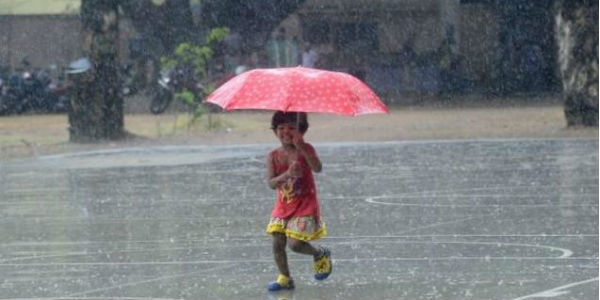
{"points": [[577, 37], [96, 112]]}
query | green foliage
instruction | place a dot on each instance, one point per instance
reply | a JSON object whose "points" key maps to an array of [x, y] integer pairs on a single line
{"points": [[187, 97], [189, 55], [196, 57], [217, 34]]}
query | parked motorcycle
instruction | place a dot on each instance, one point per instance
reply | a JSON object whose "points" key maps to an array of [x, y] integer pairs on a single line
{"points": [[129, 83], [11, 103], [31, 91], [57, 97], [172, 82]]}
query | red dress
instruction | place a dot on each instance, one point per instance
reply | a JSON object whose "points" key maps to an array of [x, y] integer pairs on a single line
{"points": [[296, 212]]}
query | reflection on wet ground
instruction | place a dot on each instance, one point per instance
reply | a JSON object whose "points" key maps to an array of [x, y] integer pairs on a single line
{"points": [[483, 219]]}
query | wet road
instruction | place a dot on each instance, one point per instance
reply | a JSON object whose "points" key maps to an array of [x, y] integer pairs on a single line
{"points": [[483, 219]]}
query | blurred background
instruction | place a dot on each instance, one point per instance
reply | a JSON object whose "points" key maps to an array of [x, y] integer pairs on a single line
{"points": [[406, 50], [418, 46]]}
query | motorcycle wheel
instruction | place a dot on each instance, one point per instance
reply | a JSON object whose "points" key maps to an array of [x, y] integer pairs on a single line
{"points": [[4, 109], [10, 104], [161, 101]]}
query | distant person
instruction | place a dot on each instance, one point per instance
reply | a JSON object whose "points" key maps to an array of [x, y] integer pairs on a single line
{"points": [[448, 63], [293, 53], [295, 219], [408, 58], [533, 64], [310, 57], [282, 52]]}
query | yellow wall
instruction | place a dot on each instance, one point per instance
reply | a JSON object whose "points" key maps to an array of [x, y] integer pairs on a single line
{"points": [[39, 7]]}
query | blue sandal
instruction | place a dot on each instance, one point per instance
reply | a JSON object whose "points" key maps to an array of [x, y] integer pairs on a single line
{"points": [[282, 283], [322, 264]]}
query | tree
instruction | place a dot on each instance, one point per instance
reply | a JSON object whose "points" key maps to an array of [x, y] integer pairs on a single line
{"points": [[577, 37], [96, 112], [96, 105]]}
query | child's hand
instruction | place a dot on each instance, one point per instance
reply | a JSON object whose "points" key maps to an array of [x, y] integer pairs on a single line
{"points": [[298, 140], [294, 170]]}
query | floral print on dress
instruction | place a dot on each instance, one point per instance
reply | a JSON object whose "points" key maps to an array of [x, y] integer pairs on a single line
{"points": [[290, 190]]}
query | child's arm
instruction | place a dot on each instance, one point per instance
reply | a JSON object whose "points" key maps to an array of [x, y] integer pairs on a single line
{"points": [[275, 180], [309, 153]]}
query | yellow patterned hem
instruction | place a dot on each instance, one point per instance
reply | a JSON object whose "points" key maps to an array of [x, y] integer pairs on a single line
{"points": [[279, 228]]}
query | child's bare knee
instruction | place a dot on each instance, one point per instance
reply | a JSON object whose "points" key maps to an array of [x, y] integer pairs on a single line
{"points": [[295, 245]]}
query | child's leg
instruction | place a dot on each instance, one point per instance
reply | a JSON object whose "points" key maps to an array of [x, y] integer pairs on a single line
{"points": [[303, 247], [279, 241], [322, 257]]}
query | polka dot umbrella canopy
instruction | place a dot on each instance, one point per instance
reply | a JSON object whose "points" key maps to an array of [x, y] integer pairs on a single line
{"points": [[298, 89]]}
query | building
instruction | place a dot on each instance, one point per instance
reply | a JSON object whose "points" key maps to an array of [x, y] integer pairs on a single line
{"points": [[397, 46], [430, 46], [43, 34], [40, 32]]}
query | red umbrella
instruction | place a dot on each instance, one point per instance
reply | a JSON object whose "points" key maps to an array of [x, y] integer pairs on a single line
{"points": [[298, 89]]}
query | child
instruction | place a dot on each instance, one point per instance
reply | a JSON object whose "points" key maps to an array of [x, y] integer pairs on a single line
{"points": [[296, 219]]}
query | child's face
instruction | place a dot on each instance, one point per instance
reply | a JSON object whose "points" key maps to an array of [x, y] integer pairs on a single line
{"points": [[286, 132]]}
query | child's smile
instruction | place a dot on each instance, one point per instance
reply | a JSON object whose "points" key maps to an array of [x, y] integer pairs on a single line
{"points": [[286, 133]]}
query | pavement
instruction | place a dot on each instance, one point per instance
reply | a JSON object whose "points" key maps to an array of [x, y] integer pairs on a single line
{"points": [[438, 219]]}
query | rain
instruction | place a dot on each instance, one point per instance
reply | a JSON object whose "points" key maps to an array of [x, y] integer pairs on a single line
{"points": [[137, 184]]}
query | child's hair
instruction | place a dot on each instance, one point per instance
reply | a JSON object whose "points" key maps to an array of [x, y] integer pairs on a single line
{"points": [[299, 118]]}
